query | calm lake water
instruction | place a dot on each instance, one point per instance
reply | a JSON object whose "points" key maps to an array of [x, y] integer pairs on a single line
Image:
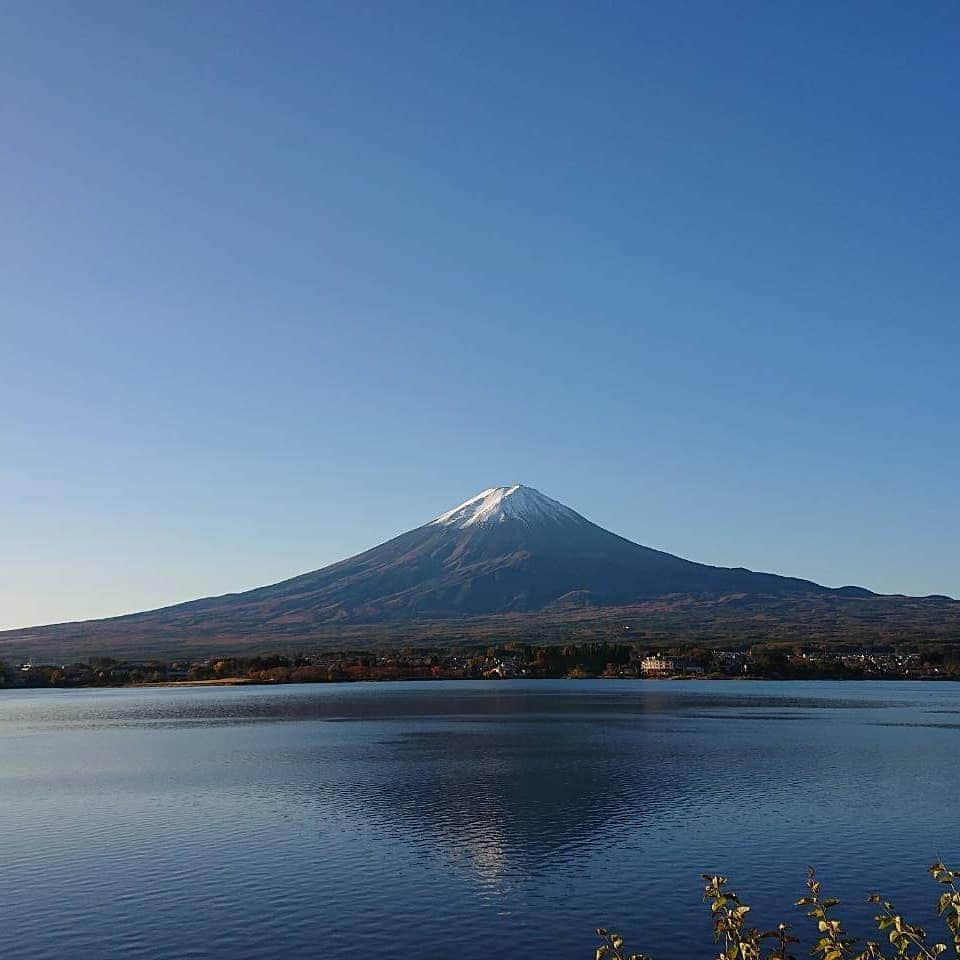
{"points": [[467, 820]]}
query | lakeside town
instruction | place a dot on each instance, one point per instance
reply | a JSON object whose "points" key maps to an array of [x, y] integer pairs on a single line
{"points": [[512, 661]]}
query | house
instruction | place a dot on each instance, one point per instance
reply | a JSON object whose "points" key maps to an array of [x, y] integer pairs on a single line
{"points": [[658, 666], [661, 666]]}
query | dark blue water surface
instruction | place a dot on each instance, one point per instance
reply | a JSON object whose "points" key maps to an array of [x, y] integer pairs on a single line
{"points": [[468, 820]]}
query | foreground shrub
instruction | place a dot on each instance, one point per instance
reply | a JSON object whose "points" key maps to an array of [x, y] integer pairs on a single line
{"points": [[740, 942]]}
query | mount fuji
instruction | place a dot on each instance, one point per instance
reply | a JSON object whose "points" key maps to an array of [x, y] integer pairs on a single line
{"points": [[508, 552]]}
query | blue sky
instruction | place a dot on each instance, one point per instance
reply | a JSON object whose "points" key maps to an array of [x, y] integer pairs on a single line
{"points": [[282, 280]]}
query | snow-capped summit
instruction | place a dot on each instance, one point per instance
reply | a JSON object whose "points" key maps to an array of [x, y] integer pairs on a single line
{"points": [[498, 504]]}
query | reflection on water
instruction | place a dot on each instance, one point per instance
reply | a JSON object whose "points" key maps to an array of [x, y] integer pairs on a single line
{"points": [[415, 819]]}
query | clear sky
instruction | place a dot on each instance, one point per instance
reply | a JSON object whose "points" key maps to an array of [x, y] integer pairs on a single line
{"points": [[281, 280]]}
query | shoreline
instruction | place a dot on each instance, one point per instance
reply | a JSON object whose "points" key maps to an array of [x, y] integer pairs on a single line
{"points": [[248, 682]]}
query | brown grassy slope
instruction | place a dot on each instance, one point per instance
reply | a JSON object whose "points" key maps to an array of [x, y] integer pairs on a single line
{"points": [[722, 620]]}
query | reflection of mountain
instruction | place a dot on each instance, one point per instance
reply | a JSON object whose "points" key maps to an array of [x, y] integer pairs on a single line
{"points": [[519, 780], [512, 779]]}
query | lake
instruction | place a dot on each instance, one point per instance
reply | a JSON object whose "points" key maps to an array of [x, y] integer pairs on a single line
{"points": [[466, 820]]}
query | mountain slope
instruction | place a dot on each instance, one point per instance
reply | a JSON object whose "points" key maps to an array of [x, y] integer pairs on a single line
{"points": [[509, 550]]}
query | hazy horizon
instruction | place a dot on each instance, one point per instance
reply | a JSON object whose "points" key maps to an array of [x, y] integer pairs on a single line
{"points": [[281, 283]]}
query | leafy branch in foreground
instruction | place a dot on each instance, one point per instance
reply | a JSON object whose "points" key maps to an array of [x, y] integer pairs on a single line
{"points": [[738, 941], [612, 948]]}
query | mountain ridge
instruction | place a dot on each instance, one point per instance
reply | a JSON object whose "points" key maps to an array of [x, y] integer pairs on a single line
{"points": [[507, 551]]}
